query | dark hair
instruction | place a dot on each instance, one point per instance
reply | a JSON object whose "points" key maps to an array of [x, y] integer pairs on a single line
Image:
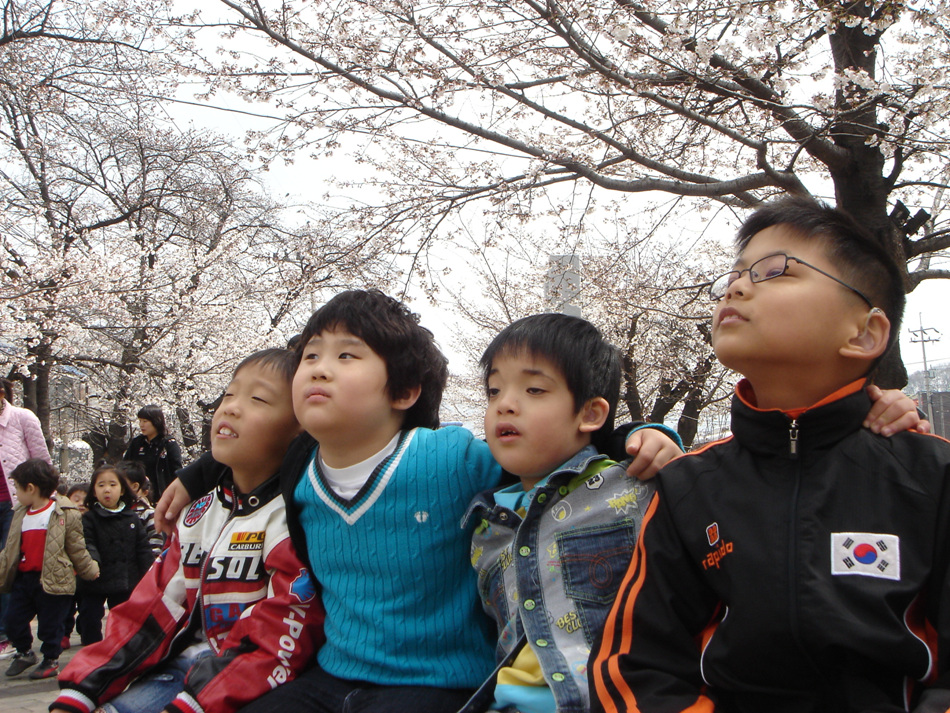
{"points": [[38, 472], [153, 413], [394, 333], [134, 473], [282, 361], [590, 365], [77, 488], [7, 390], [126, 496], [861, 259]]}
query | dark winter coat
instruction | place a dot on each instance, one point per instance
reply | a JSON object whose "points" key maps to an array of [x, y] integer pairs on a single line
{"points": [[118, 541], [161, 457]]}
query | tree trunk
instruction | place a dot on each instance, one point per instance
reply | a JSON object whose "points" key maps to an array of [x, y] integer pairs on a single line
{"points": [[861, 186]]}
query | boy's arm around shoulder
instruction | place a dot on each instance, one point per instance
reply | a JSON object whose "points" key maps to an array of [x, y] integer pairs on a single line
{"points": [[649, 643], [256, 656], [649, 446], [200, 476], [469, 457], [75, 543]]}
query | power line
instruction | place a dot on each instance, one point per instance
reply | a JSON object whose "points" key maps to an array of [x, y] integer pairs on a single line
{"points": [[925, 335]]}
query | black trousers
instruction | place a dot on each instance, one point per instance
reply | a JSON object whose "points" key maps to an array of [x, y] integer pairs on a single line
{"points": [[28, 600], [315, 691], [92, 607]]}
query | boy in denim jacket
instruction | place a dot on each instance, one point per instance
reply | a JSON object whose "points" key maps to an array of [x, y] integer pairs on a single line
{"points": [[550, 551]]}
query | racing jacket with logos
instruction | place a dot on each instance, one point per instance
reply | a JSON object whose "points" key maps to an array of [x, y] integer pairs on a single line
{"points": [[802, 564], [230, 572]]}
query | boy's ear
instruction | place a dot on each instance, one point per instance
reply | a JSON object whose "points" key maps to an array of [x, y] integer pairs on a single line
{"points": [[593, 414], [869, 342], [408, 399]]}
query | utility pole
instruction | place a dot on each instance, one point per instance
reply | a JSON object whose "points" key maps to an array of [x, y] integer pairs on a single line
{"points": [[924, 335]]}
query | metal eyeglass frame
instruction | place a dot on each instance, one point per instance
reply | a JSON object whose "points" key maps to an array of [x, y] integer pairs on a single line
{"points": [[719, 286]]}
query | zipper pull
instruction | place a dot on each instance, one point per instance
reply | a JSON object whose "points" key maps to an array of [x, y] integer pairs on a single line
{"points": [[793, 437]]}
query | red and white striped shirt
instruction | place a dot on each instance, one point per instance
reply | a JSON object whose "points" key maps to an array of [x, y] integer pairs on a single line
{"points": [[33, 538]]}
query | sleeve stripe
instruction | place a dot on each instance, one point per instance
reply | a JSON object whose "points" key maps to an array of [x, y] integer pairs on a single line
{"points": [[608, 657]]}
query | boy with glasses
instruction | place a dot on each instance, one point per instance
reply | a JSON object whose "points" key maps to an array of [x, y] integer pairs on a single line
{"points": [[802, 563]]}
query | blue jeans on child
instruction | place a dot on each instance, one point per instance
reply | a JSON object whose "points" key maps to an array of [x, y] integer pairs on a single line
{"points": [[156, 689]]}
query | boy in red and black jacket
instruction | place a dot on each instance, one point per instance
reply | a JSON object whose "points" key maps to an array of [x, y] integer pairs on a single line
{"points": [[229, 611]]}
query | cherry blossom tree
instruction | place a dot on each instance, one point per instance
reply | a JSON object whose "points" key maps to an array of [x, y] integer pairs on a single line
{"points": [[146, 258], [646, 294], [500, 102]]}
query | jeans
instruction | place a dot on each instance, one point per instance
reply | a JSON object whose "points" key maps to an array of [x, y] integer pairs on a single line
{"points": [[28, 600], [6, 517], [156, 689], [316, 691]]}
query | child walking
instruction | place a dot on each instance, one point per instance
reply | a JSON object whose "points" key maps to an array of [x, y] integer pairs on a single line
{"points": [[116, 538], [44, 549]]}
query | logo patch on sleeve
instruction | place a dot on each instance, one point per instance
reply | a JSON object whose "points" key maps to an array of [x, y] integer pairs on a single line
{"points": [[303, 587], [197, 509], [866, 554]]}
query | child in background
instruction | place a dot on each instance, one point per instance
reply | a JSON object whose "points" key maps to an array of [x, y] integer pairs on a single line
{"points": [[802, 564], [117, 540], [550, 551], [134, 474], [228, 611], [77, 496], [43, 552]]}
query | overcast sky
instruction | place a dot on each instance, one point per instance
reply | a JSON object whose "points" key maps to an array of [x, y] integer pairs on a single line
{"points": [[929, 304]]}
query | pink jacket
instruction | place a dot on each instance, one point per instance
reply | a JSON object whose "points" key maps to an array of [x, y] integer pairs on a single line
{"points": [[21, 438]]}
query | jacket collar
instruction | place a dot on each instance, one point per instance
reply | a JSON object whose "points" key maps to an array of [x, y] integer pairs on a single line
{"points": [[769, 431], [565, 473], [246, 503]]}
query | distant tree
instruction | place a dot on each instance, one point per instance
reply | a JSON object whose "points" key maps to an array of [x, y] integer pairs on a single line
{"points": [[734, 102], [145, 257], [636, 292]]}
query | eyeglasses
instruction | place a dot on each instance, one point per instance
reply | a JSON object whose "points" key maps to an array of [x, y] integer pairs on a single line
{"points": [[768, 268]]}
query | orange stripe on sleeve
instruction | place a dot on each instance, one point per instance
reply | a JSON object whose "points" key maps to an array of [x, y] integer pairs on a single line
{"points": [[623, 606]]}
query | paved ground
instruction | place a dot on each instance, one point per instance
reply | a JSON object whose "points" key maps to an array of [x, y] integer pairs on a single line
{"points": [[22, 695]]}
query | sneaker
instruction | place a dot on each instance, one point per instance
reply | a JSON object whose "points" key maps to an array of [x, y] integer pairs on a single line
{"points": [[21, 662], [65, 643], [7, 650], [47, 669]]}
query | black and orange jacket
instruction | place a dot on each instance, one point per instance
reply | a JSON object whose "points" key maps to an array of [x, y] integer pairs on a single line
{"points": [[799, 565]]}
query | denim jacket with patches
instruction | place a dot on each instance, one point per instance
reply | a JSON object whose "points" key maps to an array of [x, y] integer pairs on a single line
{"points": [[549, 579]]}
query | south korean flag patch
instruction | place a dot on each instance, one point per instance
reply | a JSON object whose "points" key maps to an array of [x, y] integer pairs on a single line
{"points": [[866, 554]]}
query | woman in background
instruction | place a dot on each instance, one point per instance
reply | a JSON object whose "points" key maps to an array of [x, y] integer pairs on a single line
{"points": [[153, 448]]}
